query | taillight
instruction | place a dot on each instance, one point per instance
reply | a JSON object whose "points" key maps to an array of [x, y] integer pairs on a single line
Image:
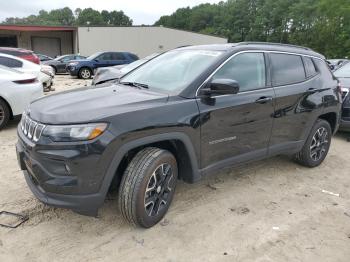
{"points": [[32, 58], [26, 81]]}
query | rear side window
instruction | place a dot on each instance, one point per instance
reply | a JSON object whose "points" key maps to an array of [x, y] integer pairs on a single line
{"points": [[287, 69], [309, 67], [133, 57], [247, 69], [118, 56], [9, 62]]}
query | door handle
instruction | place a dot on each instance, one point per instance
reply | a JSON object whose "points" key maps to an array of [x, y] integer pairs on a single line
{"points": [[263, 99]]}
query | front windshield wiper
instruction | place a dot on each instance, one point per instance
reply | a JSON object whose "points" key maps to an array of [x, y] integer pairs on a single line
{"points": [[135, 84]]}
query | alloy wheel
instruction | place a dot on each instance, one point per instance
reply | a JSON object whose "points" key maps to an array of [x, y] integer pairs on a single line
{"points": [[85, 73], [319, 144], [159, 186]]}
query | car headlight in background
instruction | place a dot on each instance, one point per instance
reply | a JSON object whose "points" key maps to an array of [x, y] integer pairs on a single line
{"points": [[71, 133]]}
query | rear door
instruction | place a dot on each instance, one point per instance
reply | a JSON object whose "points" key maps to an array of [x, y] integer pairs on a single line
{"points": [[297, 98], [119, 59], [236, 128], [104, 60]]}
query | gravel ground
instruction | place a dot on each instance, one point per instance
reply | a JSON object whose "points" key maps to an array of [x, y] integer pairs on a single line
{"points": [[272, 210]]}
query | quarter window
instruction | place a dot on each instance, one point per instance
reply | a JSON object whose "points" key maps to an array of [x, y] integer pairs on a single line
{"points": [[248, 69], [287, 69], [309, 67]]}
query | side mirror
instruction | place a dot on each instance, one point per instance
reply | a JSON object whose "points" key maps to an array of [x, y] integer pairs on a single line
{"points": [[221, 87]]}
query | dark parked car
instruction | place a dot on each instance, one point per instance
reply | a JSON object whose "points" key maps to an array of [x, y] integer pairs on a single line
{"points": [[59, 64], [84, 68], [22, 53], [185, 114], [343, 75], [44, 58], [104, 74]]}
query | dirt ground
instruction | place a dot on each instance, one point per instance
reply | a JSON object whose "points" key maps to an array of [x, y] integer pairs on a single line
{"points": [[272, 210]]}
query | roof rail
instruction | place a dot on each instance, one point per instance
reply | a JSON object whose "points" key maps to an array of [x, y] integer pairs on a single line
{"points": [[276, 44]]}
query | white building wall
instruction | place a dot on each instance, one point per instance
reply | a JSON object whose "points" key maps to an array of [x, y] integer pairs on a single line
{"points": [[141, 41]]}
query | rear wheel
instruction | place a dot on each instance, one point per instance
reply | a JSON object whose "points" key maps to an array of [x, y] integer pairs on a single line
{"points": [[85, 73], [147, 187], [4, 114], [317, 145]]}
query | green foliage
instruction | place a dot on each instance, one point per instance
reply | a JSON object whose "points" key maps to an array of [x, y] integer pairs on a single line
{"points": [[323, 25], [64, 16]]}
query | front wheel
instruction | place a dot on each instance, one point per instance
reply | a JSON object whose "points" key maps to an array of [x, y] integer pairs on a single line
{"points": [[147, 187], [85, 73], [316, 146]]}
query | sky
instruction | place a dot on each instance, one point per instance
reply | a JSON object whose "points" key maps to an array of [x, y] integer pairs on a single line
{"points": [[140, 11]]}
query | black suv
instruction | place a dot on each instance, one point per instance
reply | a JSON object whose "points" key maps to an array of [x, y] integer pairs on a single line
{"points": [[182, 115]]}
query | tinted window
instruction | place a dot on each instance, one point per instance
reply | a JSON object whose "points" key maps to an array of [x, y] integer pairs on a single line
{"points": [[133, 57], [118, 56], [287, 69], [9, 62], [309, 67], [105, 56], [67, 58], [247, 69]]}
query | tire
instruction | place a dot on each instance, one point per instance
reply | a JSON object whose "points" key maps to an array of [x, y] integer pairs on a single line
{"points": [[5, 114], [316, 146], [85, 73], [147, 187]]}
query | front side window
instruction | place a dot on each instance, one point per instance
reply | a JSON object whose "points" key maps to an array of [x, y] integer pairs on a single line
{"points": [[173, 71], [287, 69], [248, 69]]}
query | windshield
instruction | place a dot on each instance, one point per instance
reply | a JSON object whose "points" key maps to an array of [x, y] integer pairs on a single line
{"points": [[59, 57], [93, 56], [344, 71], [172, 71]]}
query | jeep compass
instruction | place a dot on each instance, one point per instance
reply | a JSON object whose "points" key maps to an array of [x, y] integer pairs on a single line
{"points": [[185, 114]]}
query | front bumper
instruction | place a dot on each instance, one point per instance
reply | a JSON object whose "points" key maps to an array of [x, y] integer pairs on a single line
{"points": [[72, 70], [66, 178]]}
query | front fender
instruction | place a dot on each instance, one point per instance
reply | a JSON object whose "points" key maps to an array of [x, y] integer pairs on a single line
{"points": [[122, 151]]}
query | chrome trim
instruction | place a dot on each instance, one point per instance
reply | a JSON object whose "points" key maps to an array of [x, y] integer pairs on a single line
{"points": [[30, 128], [251, 51]]}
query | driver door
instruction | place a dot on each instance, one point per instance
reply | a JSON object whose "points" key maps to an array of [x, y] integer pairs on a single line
{"points": [[236, 128]]}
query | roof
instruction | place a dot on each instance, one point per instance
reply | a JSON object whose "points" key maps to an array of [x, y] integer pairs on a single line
{"points": [[36, 28], [257, 46]]}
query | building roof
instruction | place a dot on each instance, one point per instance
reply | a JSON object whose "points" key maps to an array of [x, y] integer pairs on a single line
{"points": [[36, 28]]}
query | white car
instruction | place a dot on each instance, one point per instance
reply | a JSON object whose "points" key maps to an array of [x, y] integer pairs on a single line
{"points": [[17, 91], [44, 73]]}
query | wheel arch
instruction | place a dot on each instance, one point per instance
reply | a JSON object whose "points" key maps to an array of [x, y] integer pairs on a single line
{"points": [[331, 118], [178, 144]]}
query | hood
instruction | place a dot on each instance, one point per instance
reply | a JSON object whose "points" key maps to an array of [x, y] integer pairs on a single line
{"points": [[344, 82], [105, 74], [91, 104]]}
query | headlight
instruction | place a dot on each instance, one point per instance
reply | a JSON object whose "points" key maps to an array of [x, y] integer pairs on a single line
{"points": [[71, 133]]}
